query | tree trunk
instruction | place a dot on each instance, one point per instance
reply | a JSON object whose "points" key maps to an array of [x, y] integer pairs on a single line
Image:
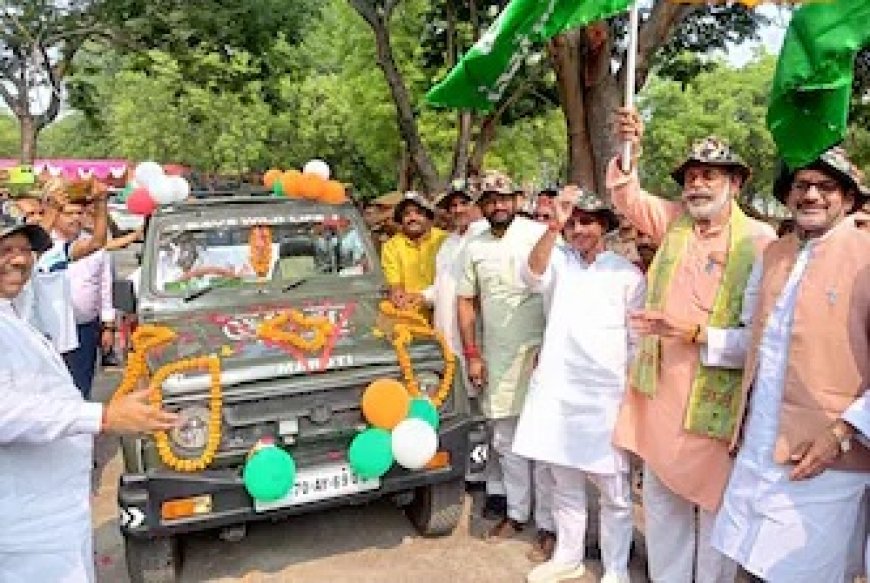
{"points": [[567, 63], [28, 132], [462, 146], [425, 169]]}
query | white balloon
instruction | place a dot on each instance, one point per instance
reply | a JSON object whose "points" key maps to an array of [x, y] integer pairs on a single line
{"points": [[147, 173], [318, 167], [414, 443], [180, 188], [161, 190]]}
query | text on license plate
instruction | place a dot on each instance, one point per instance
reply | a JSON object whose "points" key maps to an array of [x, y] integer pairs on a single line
{"points": [[320, 483]]}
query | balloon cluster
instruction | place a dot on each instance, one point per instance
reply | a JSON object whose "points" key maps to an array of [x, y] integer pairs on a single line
{"points": [[312, 183], [403, 430], [151, 187]]}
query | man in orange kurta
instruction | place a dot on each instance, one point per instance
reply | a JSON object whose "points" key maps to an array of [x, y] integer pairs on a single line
{"points": [[684, 472]]}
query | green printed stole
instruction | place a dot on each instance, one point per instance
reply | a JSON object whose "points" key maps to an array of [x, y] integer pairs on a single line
{"points": [[715, 396]]}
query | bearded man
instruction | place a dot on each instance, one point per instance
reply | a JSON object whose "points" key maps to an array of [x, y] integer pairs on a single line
{"points": [[678, 414]]}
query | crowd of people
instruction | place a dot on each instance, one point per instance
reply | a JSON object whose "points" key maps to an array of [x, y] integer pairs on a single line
{"points": [[725, 362], [729, 362]]}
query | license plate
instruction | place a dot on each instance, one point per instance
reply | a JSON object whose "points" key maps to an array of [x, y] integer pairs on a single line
{"points": [[320, 483]]}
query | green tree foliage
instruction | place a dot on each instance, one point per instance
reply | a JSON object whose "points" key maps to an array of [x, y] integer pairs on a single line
{"points": [[725, 101]]}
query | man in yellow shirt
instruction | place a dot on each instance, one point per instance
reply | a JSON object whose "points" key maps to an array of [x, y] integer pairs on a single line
{"points": [[408, 258]]}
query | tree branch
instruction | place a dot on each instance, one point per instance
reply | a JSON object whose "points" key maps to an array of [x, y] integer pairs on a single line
{"points": [[654, 33]]}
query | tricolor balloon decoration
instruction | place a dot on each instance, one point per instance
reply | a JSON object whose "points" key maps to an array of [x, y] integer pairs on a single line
{"points": [[312, 183], [403, 430], [152, 187]]}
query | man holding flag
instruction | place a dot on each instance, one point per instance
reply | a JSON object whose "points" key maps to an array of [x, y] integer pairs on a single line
{"points": [[678, 414]]}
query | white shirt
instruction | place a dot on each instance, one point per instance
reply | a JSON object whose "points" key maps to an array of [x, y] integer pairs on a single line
{"points": [[46, 437], [442, 293], [46, 300], [578, 385], [766, 517]]}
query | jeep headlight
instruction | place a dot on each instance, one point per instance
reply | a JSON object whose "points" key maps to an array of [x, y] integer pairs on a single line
{"points": [[428, 382], [191, 436]]}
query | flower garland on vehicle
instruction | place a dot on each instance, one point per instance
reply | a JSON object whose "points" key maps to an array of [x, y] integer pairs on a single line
{"points": [[273, 330], [260, 249], [403, 335], [146, 338]]}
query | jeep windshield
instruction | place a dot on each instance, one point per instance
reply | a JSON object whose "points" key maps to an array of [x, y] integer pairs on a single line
{"points": [[252, 249]]}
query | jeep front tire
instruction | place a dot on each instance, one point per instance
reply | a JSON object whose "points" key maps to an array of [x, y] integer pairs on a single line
{"points": [[437, 508]]}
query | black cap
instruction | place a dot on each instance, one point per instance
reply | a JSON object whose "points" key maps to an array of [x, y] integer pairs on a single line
{"points": [[39, 239]]}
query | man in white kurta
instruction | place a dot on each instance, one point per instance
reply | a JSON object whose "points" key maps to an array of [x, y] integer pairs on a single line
{"points": [[785, 525], [501, 359], [577, 387], [46, 437]]}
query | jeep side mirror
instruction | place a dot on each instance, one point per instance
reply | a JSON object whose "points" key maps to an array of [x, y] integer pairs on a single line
{"points": [[123, 296]]}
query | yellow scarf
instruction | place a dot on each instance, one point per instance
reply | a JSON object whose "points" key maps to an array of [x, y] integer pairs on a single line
{"points": [[714, 400]]}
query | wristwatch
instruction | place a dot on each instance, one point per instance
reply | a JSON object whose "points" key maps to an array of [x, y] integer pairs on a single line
{"points": [[844, 438]]}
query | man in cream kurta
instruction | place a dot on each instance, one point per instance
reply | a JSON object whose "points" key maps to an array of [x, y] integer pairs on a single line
{"points": [[685, 472], [513, 325], [575, 392], [791, 522], [46, 437]]}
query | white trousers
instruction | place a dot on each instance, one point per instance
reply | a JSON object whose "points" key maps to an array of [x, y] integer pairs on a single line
{"points": [[571, 512], [516, 471], [544, 483], [677, 536]]}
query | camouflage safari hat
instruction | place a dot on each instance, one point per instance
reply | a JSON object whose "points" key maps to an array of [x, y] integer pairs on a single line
{"points": [[417, 199], [492, 182], [834, 161], [590, 203], [457, 187], [715, 152]]}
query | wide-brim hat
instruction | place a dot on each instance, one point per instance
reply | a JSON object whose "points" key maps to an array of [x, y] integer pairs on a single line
{"points": [[493, 182], [591, 203], [458, 187], [417, 199], [712, 151], [549, 190], [834, 161], [36, 235]]}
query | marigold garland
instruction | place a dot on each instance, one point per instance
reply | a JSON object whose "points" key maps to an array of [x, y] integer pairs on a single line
{"points": [[403, 335], [213, 365], [260, 249], [272, 330], [146, 338]]}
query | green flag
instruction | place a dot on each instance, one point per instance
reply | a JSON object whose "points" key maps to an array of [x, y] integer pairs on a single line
{"points": [[809, 100], [480, 77]]}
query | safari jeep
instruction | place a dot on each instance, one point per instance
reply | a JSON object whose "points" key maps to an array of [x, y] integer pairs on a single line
{"points": [[199, 279]]}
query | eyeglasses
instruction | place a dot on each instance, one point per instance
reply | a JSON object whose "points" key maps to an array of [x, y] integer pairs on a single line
{"points": [[542, 216], [823, 186]]}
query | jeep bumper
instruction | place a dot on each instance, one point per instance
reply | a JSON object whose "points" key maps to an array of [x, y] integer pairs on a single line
{"points": [[141, 496]]}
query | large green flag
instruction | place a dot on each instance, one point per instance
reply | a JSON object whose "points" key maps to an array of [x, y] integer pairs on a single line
{"points": [[809, 100], [480, 77]]}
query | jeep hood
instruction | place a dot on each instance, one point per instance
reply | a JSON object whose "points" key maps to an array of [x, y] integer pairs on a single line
{"points": [[245, 357]]}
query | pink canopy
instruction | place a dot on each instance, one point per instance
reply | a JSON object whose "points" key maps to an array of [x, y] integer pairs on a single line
{"points": [[72, 169]]}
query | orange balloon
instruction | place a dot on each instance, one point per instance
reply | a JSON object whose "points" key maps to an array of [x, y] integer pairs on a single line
{"points": [[333, 193], [312, 186], [385, 403], [270, 177], [289, 182]]}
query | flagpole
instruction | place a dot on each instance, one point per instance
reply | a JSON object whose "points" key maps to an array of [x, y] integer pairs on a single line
{"points": [[630, 79]]}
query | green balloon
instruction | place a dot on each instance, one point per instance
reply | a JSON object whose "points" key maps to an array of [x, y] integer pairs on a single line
{"points": [[125, 192], [371, 453], [269, 474], [277, 189], [425, 410]]}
